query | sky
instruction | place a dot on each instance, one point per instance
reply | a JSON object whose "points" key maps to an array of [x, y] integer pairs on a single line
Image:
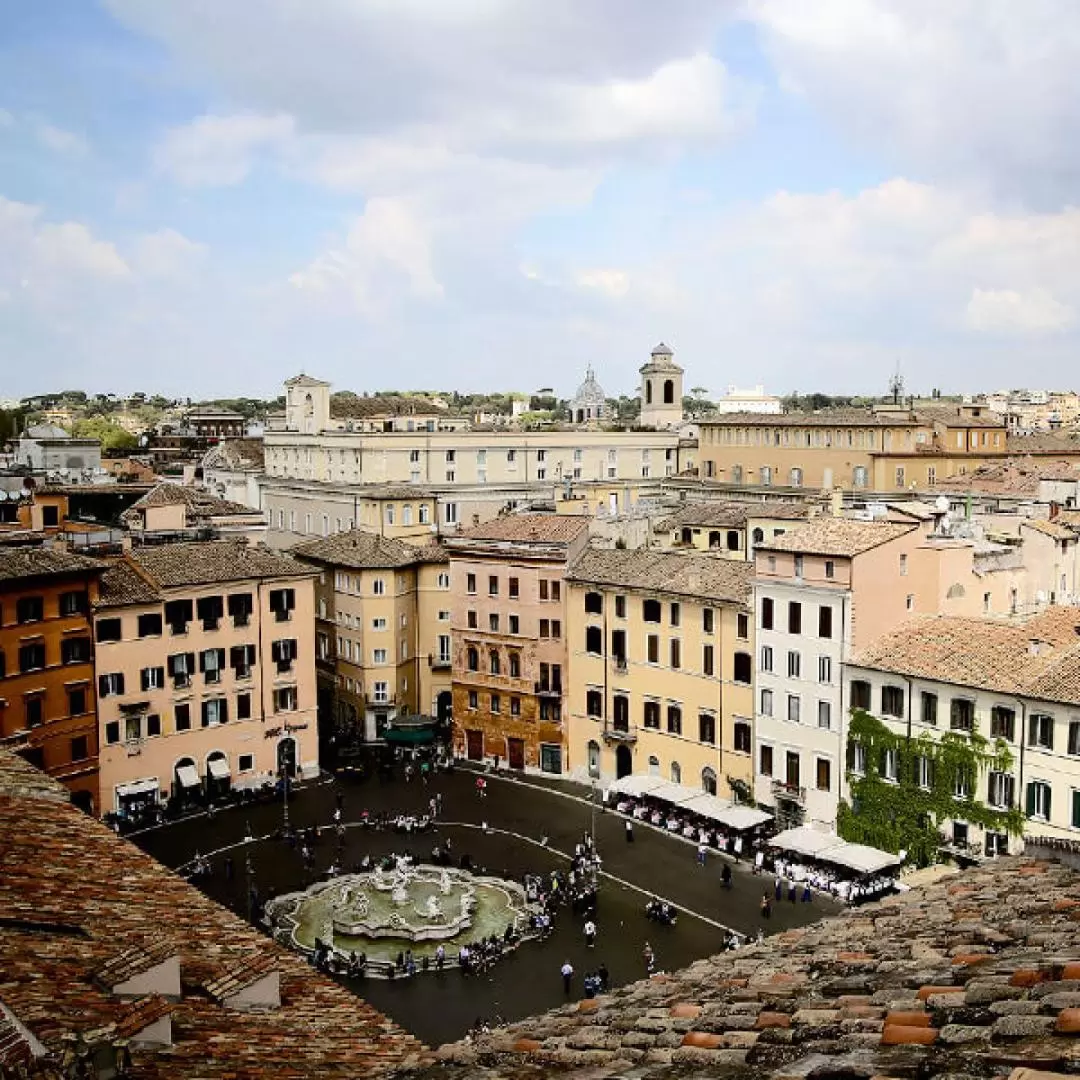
{"points": [[204, 197]]}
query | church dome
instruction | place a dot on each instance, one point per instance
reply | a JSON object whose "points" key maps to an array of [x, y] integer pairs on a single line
{"points": [[590, 402]]}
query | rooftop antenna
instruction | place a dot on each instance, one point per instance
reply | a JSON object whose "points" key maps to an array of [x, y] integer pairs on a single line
{"points": [[896, 385]]}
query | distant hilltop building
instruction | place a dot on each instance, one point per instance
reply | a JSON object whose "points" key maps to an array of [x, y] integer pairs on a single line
{"points": [[590, 403], [661, 389], [753, 400]]}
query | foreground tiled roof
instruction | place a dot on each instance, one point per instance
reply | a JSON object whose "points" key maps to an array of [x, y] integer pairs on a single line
{"points": [[837, 536], [716, 513], [359, 549], [213, 562], [199, 505], [34, 562], [122, 585], [987, 653], [700, 577], [523, 528], [74, 898], [1010, 476], [973, 976], [1056, 530]]}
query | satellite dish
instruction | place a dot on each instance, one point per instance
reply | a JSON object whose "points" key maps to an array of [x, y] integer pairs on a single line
{"points": [[941, 504]]}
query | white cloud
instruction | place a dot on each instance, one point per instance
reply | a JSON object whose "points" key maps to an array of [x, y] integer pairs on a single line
{"points": [[219, 150], [613, 283], [166, 254], [1010, 312], [977, 89], [62, 142], [384, 242]]}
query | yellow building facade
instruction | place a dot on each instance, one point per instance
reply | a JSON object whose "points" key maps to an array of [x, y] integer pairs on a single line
{"points": [[661, 661]]}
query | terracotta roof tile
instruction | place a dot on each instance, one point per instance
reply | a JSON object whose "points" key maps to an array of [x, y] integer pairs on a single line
{"points": [[200, 506], [359, 549], [33, 562], [525, 528], [837, 536], [717, 513], [697, 576], [122, 585], [213, 562]]}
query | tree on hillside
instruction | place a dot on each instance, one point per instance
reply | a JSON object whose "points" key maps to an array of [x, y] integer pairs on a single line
{"points": [[112, 437]]}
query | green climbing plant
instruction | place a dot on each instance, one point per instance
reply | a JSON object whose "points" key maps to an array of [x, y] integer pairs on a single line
{"points": [[906, 814]]}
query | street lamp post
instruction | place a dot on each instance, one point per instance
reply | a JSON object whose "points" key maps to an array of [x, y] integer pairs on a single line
{"points": [[287, 730]]}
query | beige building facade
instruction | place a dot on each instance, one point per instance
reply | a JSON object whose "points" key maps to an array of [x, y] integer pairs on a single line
{"points": [[730, 529], [383, 625], [205, 659], [661, 652]]}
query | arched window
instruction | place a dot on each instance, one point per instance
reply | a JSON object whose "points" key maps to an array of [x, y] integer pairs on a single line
{"points": [[654, 765], [594, 640], [493, 661], [594, 758], [676, 773], [708, 780], [669, 392], [648, 391], [759, 536], [472, 659]]}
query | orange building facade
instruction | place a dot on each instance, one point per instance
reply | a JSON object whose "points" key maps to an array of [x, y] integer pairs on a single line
{"points": [[47, 703]]}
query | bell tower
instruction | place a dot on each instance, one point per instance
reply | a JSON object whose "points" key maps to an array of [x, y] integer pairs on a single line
{"points": [[661, 389]]}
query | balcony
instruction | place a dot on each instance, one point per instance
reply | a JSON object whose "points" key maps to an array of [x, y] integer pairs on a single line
{"points": [[438, 663], [620, 734], [789, 792], [380, 702], [544, 690]]}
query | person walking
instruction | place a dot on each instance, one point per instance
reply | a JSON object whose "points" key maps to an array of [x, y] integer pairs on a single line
{"points": [[605, 977], [725, 876], [567, 972], [702, 850], [629, 832], [590, 933], [766, 906], [650, 958], [440, 957]]}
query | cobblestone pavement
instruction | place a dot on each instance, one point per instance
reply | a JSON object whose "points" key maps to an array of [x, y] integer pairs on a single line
{"points": [[442, 1008]]}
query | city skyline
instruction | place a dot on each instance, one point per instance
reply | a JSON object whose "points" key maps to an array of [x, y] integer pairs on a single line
{"points": [[382, 194]]}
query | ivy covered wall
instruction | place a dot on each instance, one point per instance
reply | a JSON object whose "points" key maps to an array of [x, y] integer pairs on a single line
{"points": [[907, 814]]}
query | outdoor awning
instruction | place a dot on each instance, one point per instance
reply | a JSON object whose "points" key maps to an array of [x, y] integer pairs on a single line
{"points": [[676, 794], [804, 840], [137, 787], [859, 857], [409, 736], [705, 805], [219, 768], [636, 785], [187, 776], [741, 818]]}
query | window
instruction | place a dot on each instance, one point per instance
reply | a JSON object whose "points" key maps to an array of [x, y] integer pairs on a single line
{"points": [[283, 653], [794, 617], [1038, 800], [515, 624], [765, 762], [493, 585], [543, 589], [743, 737], [824, 715], [243, 706], [766, 703], [111, 685], [382, 692], [928, 708], [903, 566], [824, 774], [650, 611], [515, 706], [830, 568], [708, 619], [182, 717], [824, 669], [594, 603], [29, 609], [132, 728], [474, 701], [767, 613], [378, 587], [825, 622], [594, 640], [962, 714], [472, 659], [651, 715], [707, 729], [76, 701], [1001, 790], [857, 758], [1003, 725], [794, 665], [1074, 737], [794, 706], [152, 678], [73, 603], [675, 611], [593, 703], [210, 610], [493, 622], [652, 648], [676, 653], [1041, 731], [545, 628], [620, 711], [494, 666], [470, 620], [766, 658], [620, 607], [75, 650], [282, 602], [796, 477], [674, 720], [860, 694], [794, 768], [892, 701], [496, 704], [108, 629], [216, 710], [798, 566], [150, 625], [707, 664], [211, 661], [889, 765], [556, 590], [443, 580], [470, 584], [378, 656], [112, 732]]}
